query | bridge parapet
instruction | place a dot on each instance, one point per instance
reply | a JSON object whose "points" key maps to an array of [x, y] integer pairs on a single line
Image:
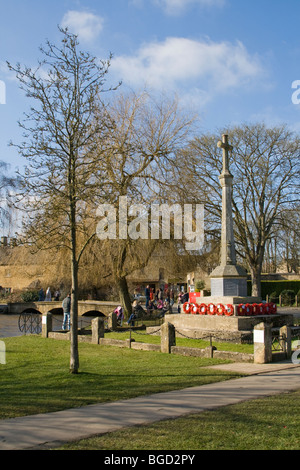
{"points": [[85, 307]]}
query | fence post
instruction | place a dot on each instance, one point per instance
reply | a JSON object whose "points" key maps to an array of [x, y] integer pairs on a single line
{"points": [[262, 338], [46, 324], [112, 321], [286, 340], [168, 337], [97, 330]]}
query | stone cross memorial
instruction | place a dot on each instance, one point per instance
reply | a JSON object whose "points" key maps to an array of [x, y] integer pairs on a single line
{"points": [[229, 313], [228, 279]]}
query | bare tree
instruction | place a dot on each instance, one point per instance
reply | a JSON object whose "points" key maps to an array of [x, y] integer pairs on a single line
{"points": [[265, 165], [60, 132], [287, 239], [134, 162]]}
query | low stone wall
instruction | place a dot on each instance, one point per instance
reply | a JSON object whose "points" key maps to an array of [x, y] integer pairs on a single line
{"points": [[233, 329], [213, 353], [262, 342], [146, 346], [233, 356], [182, 351], [60, 336], [66, 337], [114, 342]]}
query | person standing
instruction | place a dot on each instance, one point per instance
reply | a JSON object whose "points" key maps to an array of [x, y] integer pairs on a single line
{"points": [[66, 305], [57, 295], [48, 295], [41, 295], [147, 295]]}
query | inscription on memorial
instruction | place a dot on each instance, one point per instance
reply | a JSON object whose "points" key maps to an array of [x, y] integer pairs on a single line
{"points": [[229, 287]]}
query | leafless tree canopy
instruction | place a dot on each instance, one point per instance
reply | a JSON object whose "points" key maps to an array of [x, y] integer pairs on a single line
{"points": [[265, 165]]}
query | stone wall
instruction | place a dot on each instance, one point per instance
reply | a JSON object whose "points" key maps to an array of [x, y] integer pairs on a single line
{"points": [[262, 340]]}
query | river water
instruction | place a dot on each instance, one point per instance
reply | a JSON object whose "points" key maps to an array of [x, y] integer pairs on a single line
{"points": [[9, 326]]}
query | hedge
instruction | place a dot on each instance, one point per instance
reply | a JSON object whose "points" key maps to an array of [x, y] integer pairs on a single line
{"points": [[268, 287]]}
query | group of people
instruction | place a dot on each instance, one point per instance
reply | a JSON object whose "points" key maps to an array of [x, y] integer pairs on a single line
{"points": [[48, 296], [137, 312], [181, 299], [152, 304], [159, 295], [155, 303], [164, 300]]}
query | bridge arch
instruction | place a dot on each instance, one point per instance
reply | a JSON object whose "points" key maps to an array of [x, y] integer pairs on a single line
{"points": [[30, 310], [56, 311], [93, 313]]}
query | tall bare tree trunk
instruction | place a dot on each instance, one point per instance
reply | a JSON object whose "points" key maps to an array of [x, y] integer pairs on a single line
{"points": [[74, 353], [256, 280], [124, 294]]}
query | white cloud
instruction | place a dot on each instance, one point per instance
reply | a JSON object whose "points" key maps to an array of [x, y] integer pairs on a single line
{"points": [[86, 25], [136, 3], [207, 66], [176, 7]]}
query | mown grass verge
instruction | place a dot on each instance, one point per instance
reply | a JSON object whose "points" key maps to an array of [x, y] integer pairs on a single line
{"points": [[36, 378], [142, 337], [270, 423]]}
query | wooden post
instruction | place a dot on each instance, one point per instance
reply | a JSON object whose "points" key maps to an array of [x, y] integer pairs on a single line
{"points": [[112, 321], [286, 340], [168, 337], [262, 338], [97, 330], [46, 324]]}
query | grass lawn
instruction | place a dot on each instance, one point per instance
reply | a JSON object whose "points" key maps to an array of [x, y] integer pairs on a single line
{"points": [[271, 423], [36, 378], [142, 337]]}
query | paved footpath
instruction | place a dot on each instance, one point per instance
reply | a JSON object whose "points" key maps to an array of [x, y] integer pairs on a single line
{"points": [[49, 430]]}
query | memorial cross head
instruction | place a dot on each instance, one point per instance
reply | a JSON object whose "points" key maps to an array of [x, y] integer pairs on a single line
{"points": [[226, 148]]}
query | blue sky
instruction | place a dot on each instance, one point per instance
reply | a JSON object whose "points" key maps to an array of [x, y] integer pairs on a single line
{"points": [[232, 61]]}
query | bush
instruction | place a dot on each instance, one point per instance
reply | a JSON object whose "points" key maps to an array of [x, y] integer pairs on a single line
{"points": [[287, 297], [199, 286], [30, 296], [268, 287], [274, 297]]}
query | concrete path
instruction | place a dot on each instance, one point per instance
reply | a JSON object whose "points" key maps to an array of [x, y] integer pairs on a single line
{"points": [[49, 430]]}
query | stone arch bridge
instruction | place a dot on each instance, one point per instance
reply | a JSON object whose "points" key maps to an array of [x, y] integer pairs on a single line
{"points": [[85, 308]]}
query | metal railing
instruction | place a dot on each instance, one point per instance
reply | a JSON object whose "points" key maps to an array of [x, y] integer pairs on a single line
{"points": [[30, 323]]}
